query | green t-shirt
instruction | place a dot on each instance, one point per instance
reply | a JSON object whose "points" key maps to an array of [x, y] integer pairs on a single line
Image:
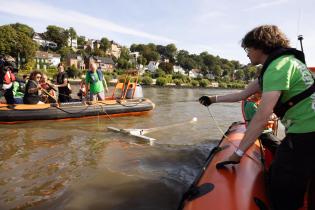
{"points": [[250, 108], [291, 76], [96, 84]]}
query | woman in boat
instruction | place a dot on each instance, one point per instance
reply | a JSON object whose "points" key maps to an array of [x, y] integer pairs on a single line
{"points": [[32, 87], [287, 88]]}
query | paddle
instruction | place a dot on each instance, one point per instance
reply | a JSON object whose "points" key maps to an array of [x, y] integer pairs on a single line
{"points": [[48, 94]]}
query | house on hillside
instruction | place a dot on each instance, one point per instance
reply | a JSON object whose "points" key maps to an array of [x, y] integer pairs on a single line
{"points": [[39, 38], [115, 49], [153, 66], [73, 43], [105, 63], [44, 60], [194, 73], [75, 60], [179, 69]]}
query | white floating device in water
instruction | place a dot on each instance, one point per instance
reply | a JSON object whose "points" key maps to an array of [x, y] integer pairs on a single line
{"points": [[140, 133]]}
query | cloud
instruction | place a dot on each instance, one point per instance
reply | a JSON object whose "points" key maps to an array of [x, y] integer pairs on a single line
{"points": [[45, 12], [265, 5]]}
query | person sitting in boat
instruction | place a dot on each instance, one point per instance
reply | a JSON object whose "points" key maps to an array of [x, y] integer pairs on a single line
{"points": [[18, 93], [7, 77], [287, 88], [32, 88], [48, 90], [268, 138], [95, 83], [62, 85]]}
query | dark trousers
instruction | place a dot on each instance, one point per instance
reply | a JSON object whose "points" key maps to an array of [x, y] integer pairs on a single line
{"points": [[8, 95], [63, 96], [292, 170]]}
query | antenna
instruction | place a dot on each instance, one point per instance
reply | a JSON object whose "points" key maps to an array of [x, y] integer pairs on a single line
{"points": [[300, 38]]}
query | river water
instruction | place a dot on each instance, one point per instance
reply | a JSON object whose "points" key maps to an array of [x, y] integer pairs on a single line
{"points": [[79, 164]]}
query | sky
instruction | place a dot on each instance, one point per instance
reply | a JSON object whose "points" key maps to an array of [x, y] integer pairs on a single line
{"points": [[193, 25]]}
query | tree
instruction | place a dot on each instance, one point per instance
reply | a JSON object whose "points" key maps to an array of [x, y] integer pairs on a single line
{"points": [[17, 44], [29, 31], [167, 67], [72, 34], [105, 44], [81, 41], [171, 52], [123, 60], [58, 35]]}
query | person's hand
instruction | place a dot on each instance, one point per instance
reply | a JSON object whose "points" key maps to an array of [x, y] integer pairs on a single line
{"points": [[234, 157], [232, 160], [205, 100]]}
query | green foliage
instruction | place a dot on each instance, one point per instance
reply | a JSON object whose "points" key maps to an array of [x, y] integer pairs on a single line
{"points": [[159, 73], [184, 78], [73, 72], [105, 44], [204, 83], [108, 78], [58, 35], [177, 82], [223, 85], [194, 83], [147, 80], [166, 67], [72, 34], [81, 41], [17, 44], [161, 81], [29, 31], [64, 51]]}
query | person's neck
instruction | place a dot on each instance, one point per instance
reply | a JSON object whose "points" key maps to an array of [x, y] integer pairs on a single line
{"points": [[263, 59]]}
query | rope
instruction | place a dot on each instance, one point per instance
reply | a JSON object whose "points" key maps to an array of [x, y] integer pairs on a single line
{"points": [[119, 102], [72, 112], [224, 135]]}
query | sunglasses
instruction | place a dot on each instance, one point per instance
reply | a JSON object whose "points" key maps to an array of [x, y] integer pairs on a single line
{"points": [[38, 77]]}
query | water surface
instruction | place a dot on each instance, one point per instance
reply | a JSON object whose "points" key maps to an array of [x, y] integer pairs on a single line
{"points": [[79, 164]]}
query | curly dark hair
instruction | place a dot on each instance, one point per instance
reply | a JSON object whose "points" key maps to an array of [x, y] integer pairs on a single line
{"points": [[267, 38], [34, 73]]}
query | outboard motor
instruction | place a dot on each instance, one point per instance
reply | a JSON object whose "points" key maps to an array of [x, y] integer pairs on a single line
{"points": [[138, 92]]}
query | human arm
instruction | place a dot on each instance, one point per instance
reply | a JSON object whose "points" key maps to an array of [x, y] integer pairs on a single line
{"points": [[105, 84], [33, 87], [258, 123], [252, 88]]}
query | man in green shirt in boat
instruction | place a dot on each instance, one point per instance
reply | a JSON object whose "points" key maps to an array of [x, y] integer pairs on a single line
{"points": [[288, 90], [96, 83]]}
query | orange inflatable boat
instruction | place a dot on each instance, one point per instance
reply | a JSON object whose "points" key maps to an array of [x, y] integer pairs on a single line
{"points": [[231, 187]]}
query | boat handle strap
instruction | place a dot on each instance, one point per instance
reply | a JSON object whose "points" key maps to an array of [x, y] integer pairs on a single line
{"points": [[222, 165]]}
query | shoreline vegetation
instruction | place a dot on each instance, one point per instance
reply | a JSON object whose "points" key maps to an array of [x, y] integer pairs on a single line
{"points": [[157, 64]]}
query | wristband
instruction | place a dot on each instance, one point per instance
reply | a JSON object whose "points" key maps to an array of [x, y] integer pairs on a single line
{"points": [[239, 152]]}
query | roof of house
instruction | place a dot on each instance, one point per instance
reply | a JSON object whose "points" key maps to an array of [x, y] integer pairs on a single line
{"points": [[106, 60], [43, 54]]}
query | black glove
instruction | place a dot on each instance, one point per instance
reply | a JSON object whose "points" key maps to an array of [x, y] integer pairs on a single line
{"points": [[205, 100]]}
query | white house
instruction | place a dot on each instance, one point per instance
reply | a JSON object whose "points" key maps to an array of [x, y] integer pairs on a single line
{"points": [[179, 69], [45, 59], [38, 38], [73, 43], [153, 66], [194, 73]]}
